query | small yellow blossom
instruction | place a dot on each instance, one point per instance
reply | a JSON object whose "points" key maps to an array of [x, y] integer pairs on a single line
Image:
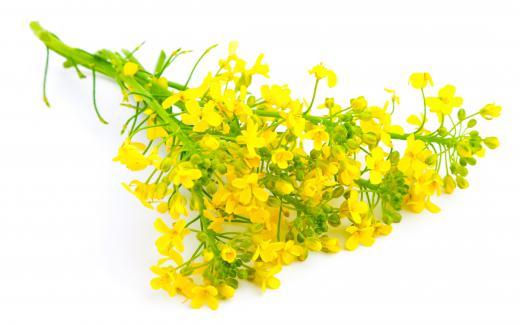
{"points": [[130, 154], [130, 69], [171, 237], [268, 251], [281, 157], [209, 142], [228, 254], [204, 295], [251, 138], [177, 206], [359, 234], [445, 102], [319, 136], [353, 208], [226, 291], [166, 278], [377, 164], [284, 187], [358, 104], [490, 111], [419, 80], [264, 275], [291, 251], [201, 119], [319, 71], [248, 188], [185, 174]]}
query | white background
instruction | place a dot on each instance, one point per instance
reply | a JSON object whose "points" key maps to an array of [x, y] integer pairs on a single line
{"points": [[75, 247]]}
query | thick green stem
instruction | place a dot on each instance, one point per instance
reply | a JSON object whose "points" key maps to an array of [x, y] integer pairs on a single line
{"points": [[100, 65]]}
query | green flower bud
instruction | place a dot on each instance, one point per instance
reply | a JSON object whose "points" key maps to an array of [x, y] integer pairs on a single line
{"points": [[300, 175], [337, 192], [472, 123], [166, 164], [352, 144], [491, 142], [334, 220], [251, 101], [370, 138], [449, 184], [394, 157], [211, 188], [315, 154], [471, 161], [461, 114], [462, 183], [442, 131], [195, 159], [221, 168]]}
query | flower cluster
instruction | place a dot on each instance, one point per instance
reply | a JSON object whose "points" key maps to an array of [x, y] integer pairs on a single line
{"points": [[259, 181]]}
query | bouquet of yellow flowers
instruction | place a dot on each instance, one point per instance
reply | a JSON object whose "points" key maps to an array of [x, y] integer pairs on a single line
{"points": [[257, 179]]}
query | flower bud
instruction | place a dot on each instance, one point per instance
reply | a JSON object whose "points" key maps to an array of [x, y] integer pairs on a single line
{"points": [[462, 183], [472, 123], [491, 142], [370, 138], [442, 131], [166, 164], [449, 184], [352, 144], [251, 101], [490, 111], [337, 192], [461, 114], [195, 159]]}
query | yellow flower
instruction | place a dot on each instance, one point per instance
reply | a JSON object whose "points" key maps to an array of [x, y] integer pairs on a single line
{"points": [[331, 105], [361, 234], [154, 132], [171, 237], [209, 142], [291, 251], [226, 291], [413, 161], [185, 174], [490, 111], [319, 136], [201, 119], [228, 254], [248, 186], [319, 71], [165, 280], [264, 275], [130, 69], [419, 80], [358, 104], [178, 206], [279, 96], [268, 251], [377, 164], [381, 229], [284, 187], [330, 245], [130, 155], [146, 193], [281, 157], [251, 138], [445, 102], [350, 171], [353, 208], [204, 295]]}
